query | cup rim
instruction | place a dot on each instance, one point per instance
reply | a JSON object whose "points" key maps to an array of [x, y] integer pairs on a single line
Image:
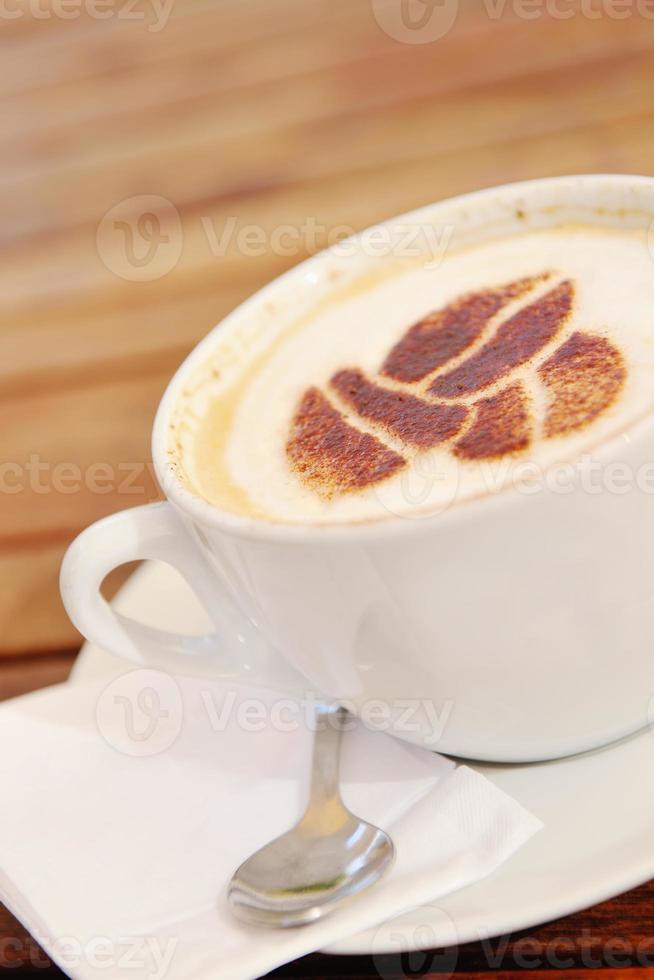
{"points": [[206, 514]]}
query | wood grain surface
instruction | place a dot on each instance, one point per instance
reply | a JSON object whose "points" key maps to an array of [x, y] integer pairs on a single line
{"points": [[268, 128]]}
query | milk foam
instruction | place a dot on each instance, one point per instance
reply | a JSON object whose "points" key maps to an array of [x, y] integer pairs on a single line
{"points": [[230, 430]]}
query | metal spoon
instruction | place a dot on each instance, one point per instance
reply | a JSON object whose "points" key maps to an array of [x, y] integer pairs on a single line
{"points": [[328, 857]]}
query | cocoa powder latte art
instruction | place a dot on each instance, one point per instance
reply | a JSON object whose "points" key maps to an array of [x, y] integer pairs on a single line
{"points": [[533, 348]]}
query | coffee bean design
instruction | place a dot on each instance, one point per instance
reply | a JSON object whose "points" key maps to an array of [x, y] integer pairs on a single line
{"points": [[413, 420], [330, 454], [502, 425], [583, 377], [362, 430]]}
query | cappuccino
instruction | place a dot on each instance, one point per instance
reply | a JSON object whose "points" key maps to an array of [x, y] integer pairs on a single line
{"points": [[420, 387]]}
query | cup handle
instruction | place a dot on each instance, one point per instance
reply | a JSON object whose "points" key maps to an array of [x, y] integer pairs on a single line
{"points": [[155, 531]]}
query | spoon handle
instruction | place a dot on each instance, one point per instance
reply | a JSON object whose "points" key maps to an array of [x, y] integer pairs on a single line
{"points": [[326, 755]]}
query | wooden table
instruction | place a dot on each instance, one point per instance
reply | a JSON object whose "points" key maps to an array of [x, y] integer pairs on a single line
{"points": [[246, 116]]}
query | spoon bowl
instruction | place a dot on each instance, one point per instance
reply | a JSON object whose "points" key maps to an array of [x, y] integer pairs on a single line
{"points": [[330, 855]]}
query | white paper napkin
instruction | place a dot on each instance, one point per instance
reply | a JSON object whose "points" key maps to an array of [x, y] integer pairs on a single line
{"points": [[132, 803]]}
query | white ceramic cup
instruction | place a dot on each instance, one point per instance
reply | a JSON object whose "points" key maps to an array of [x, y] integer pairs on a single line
{"points": [[511, 627]]}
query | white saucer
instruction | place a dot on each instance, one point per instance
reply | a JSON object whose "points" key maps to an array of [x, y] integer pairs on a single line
{"points": [[598, 811]]}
